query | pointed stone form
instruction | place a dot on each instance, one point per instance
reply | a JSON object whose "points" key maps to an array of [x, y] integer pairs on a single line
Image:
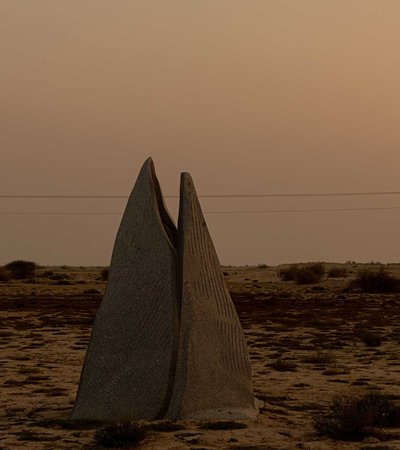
{"points": [[213, 374], [129, 367]]}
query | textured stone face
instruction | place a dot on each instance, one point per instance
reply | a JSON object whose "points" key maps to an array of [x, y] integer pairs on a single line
{"points": [[130, 361], [166, 342], [213, 375]]}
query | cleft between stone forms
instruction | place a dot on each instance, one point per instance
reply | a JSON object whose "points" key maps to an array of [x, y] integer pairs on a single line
{"points": [[166, 341]]}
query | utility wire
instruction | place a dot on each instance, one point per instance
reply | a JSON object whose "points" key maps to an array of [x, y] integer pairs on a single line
{"points": [[312, 194], [85, 213]]}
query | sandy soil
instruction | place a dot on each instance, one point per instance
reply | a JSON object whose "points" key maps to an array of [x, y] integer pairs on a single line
{"points": [[303, 342]]}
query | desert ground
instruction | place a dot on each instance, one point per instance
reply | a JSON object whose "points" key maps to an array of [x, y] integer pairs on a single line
{"points": [[307, 344]]}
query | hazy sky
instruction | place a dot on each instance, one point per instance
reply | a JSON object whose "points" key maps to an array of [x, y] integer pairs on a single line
{"points": [[250, 96]]}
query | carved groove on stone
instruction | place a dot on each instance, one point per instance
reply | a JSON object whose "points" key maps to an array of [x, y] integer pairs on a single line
{"points": [[213, 375]]}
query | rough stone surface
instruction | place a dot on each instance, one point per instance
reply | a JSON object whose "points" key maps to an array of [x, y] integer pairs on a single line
{"points": [[213, 374], [129, 366]]}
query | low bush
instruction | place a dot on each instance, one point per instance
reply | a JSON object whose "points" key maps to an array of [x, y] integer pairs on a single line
{"points": [[353, 418], [288, 273], [318, 268], [303, 274], [121, 435], [20, 269], [104, 274], [380, 281], [4, 274], [309, 274]]}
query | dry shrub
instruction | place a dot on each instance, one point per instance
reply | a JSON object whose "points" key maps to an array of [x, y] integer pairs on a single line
{"points": [[104, 274], [20, 269], [380, 281], [353, 418], [289, 273], [4, 274], [303, 274]]}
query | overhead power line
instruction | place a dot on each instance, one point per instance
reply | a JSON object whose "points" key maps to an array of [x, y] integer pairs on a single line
{"points": [[86, 213], [311, 194]]}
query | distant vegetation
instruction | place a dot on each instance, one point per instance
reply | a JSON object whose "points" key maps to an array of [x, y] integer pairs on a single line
{"points": [[354, 418], [4, 274], [337, 272], [20, 269], [104, 273], [25, 271], [303, 274], [289, 273], [380, 281]]}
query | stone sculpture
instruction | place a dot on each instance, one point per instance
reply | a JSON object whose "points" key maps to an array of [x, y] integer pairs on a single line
{"points": [[166, 342], [131, 357]]}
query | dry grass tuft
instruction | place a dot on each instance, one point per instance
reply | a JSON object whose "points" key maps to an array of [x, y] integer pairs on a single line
{"points": [[353, 418]]}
